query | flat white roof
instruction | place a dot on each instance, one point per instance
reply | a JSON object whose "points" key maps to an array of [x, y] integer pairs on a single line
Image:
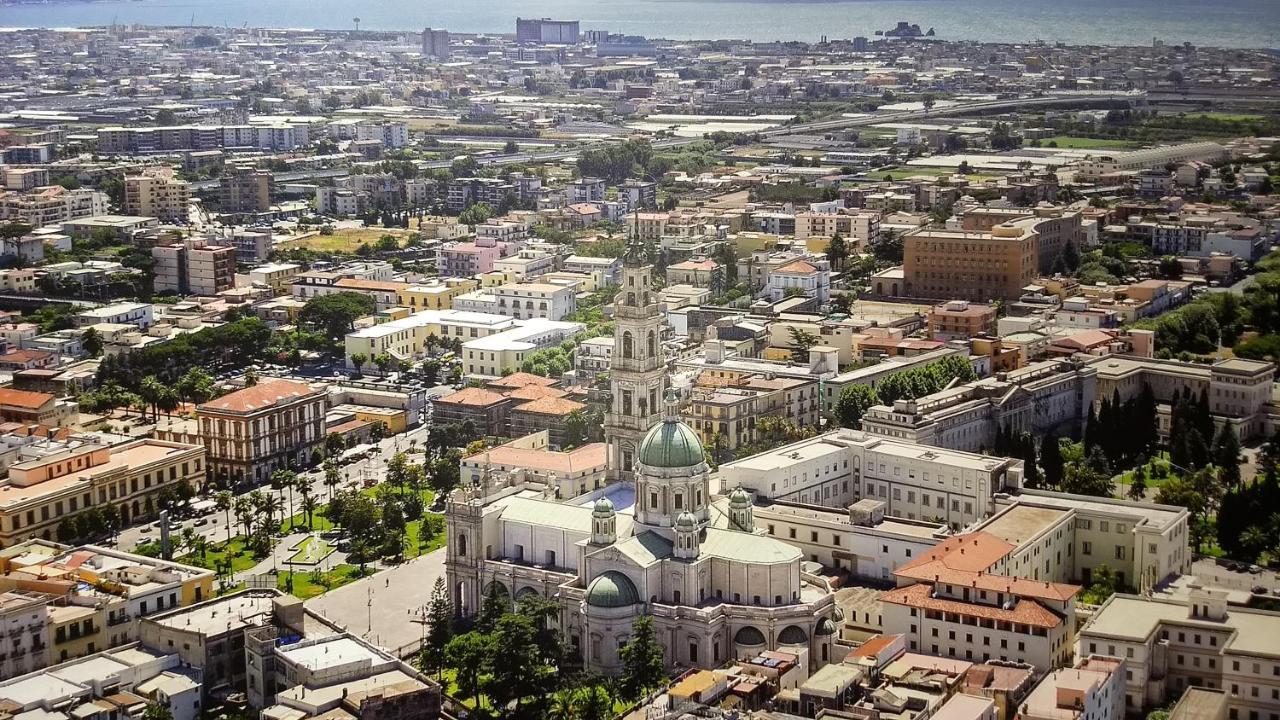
{"points": [[336, 650]]}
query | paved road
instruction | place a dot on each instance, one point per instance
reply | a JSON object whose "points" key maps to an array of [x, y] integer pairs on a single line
{"points": [[385, 608]]}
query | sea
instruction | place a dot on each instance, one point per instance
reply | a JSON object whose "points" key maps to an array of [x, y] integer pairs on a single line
{"points": [[1222, 23]]}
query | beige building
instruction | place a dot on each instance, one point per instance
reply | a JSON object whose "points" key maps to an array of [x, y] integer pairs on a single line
{"points": [[728, 414], [157, 193], [977, 266], [1170, 645], [252, 432], [961, 319], [41, 493], [192, 269], [957, 601], [1092, 690]]}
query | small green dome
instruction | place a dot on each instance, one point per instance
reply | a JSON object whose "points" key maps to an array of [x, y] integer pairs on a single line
{"points": [[825, 627], [603, 506], [670, 444], [748, 636], [739, 498], [792, 635], [612, 589], [686, 520]]}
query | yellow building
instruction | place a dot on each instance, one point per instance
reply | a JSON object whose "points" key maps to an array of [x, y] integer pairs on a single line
{"points": [[434, 295], [41, 493], [395, 419]]}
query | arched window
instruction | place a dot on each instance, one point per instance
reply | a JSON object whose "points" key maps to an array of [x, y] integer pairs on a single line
{"points": [[653, 343], [628, 349], [462, 546]]}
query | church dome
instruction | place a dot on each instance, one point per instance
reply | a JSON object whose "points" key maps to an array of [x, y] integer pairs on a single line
{"points": [[612, 589], [670, 444], [686, 520], [603, 506], [739, 498], [825, 627], [748, 636]]}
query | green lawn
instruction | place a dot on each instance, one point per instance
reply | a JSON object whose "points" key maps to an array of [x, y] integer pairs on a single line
{"points": [[215, 556], [310, 583], [311, 550], [1228, 117], [1084, 143]]}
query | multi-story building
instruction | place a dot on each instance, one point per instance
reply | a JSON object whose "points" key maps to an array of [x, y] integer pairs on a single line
{"points": [[957, 601], [406, 338], [245, 191], [122, 313], [1239, 391], [463, 192], [35, 408], [978, 266], [1053, 396], [960, 319], [809, 278], [158, 193], [194, 269], [839, 468], [636, 195], [1100, 164], [546, 30], [728, 415], [42, 492], [858, 228], [252, 432], [1092, 690], [51, 205], [435, 43], [1200, 640], [522, 301], [436, 294], [500, 352]]}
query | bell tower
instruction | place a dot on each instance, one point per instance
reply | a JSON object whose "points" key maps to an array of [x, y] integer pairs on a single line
{"points": [[637, 373]]}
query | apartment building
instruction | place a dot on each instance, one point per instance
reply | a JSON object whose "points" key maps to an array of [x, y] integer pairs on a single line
{"points": [[51, 205], [275, 276], [955, 601], [1053, 396], [810, 278], [728, 414], [24, 622], [1056, 228], [1199, 640], [43, 491], [250, 433], [859, 229], [194, 269], [838, 468], [245, 191], [434, 295], [158, 193], [521, 301], [977, 266], [463, 192], [406, 338], [492, 355], [960, 319], [123, 313]]}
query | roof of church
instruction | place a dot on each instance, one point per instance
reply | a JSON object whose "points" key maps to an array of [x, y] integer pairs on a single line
{"points": [[612, 589]]}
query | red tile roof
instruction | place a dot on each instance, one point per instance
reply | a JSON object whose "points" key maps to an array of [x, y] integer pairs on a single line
{"points": [[519, 380], [24, 398], [550, 406], [1026, 612], [263, 395], [966, 560], [476, 397]]}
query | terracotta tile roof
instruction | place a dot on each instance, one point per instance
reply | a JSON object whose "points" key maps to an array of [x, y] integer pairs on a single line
{"points": [[704, 265], [550, 406], [872, 647], [24, 398], [1026, 612], [260, 396], [588, 457], [966, 560], [22, 356], [535, 392], [519, 380], [476, 397], [347, 426], [799, 267]]}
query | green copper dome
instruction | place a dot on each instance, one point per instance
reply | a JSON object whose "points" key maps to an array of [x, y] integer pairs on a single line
{"points": [[670, 444], [612, 589]]}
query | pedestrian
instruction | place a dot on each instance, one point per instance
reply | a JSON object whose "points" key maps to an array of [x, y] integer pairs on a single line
{"points": [[388, 582]]}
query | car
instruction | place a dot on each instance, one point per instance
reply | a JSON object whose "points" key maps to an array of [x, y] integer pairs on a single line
{"points": [[202, 522], [146, 530], [344, 546], [1259, 589]]}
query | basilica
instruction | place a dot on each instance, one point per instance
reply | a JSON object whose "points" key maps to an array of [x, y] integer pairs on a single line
{"points": [[654, 541]]}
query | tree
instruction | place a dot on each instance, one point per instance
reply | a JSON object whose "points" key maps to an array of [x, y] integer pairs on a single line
{"points": [[358, 360], [1138, 484], [854, 401], [1226, 455], [495, 604], [476, 214], [576, 430], [335, 314], [469, 655], [1091, 477], [195, 385], [224, 501], [166, 118], [91, 340], [801, 341], [1103, 584], [643, 667], [837, 251], [439, 630], [518, 671]]}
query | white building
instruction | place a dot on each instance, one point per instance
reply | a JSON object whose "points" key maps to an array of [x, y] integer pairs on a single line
{"points": [[125, 313]]}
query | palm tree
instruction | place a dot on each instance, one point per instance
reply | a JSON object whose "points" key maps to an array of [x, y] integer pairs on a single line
{"points": [[285, 480], [309, 505], [332, 476], [224, 501], [245, 508], [187, 539]]}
